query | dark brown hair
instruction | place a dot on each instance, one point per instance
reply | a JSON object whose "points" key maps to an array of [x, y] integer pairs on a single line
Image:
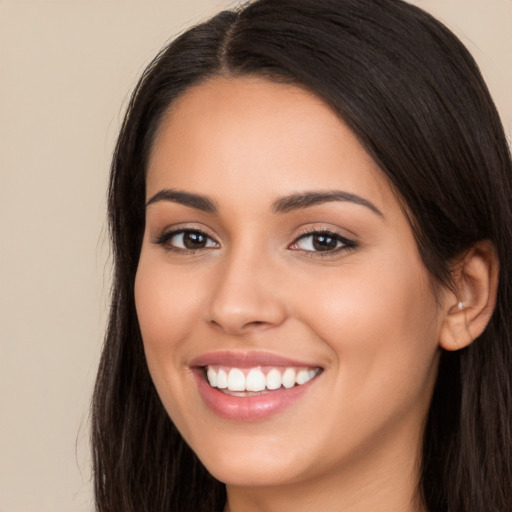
{"points": [[415, 98]]}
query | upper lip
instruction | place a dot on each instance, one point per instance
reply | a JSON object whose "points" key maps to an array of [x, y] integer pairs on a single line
{"points": [[247, 359]]}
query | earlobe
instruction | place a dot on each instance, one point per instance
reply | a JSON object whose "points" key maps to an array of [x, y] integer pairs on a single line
{"points": [[470, 306]]}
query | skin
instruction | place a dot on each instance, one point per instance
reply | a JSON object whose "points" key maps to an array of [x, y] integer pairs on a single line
{"points": [[365, 314]]}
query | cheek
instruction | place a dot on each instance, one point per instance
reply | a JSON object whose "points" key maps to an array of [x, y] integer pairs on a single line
{"points": [[165, 302], [382, 333], [382, 327], [167, 310]]}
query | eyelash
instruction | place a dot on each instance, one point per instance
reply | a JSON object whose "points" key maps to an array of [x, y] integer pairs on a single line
{"points": [[166, 238], [346, 244]]}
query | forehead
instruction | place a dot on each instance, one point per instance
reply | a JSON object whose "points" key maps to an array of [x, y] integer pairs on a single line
{"points": [[267, 138]]}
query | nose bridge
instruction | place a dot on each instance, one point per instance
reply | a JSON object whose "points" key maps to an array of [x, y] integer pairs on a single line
{"points": [[245, 293]]}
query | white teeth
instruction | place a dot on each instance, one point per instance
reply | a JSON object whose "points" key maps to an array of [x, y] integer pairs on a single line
{"points": [[273, 379], [236, 380], [255, 380], [288, 378], [222, 380], [212, 377], [302, 377]]}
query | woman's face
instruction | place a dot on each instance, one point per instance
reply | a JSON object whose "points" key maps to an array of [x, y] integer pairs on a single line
{"points": [[277, 261]]}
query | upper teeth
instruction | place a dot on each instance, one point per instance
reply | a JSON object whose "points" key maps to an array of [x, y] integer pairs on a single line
{"points": [[255, 379]]}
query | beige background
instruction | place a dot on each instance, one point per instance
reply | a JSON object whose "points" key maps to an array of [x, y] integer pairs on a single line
{"points": [[66, 69]]}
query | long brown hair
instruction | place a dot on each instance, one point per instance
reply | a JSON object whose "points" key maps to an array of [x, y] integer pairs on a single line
{"points": [[415, 98]]}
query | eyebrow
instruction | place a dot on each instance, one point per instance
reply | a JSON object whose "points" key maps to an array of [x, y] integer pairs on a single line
{"points": [[308, 199], [197, 201], [284, 204]]}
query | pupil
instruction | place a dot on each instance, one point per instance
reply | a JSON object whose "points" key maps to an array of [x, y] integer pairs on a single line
{"points": [[324, 243], [193, 240]]}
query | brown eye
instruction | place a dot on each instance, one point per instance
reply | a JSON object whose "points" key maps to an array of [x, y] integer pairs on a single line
{"points": [[187, 240], [194, 240], [322, 242]]}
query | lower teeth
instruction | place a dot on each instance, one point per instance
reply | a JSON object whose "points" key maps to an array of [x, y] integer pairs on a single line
{"points": [[244, 393]]}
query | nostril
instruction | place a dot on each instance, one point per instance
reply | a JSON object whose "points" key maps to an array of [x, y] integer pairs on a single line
{"points": [[242, 327]]}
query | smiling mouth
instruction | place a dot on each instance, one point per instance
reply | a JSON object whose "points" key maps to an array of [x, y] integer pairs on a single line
{"points": [[258, 380]]}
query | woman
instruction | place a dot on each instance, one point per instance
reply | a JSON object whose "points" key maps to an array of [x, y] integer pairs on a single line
{"points": [[311, 222]]}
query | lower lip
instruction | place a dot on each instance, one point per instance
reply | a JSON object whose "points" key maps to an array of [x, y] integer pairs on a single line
{"points": [[248, 408]]}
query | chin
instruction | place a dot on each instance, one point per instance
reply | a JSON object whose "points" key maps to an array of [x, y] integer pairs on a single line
{"points": [[256, 460], [242, 456], [249, 473]]}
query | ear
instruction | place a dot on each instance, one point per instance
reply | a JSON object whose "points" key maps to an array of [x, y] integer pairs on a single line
{"points": [[469, 307]]}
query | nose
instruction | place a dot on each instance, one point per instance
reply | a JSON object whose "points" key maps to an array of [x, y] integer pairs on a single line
{"points": [[246, 295]]}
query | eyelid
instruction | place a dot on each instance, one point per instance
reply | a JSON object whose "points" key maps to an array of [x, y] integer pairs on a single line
{"points": [[347, 243], [167, 235]]}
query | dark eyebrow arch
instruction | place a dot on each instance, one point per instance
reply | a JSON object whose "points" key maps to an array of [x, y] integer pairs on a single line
{"points": [[197, 201], [307, 199]]}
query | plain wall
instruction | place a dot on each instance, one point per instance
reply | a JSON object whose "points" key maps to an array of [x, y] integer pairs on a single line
{"points": [[66, 69]]}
